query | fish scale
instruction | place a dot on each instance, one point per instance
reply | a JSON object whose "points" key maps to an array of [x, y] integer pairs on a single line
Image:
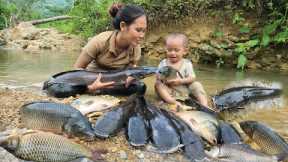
{"points": [[268, 145], [48, 116], [48, 147], [268, 140], [55, 117]]}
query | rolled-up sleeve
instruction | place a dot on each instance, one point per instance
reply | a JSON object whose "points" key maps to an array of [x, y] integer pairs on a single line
{"points": [[93, 47]]}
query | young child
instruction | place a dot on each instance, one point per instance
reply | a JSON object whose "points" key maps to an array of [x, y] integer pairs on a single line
{"points": [[184, 82]]}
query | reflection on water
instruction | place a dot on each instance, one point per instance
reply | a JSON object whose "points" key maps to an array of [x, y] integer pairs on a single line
{"points": [[26, 69], [23, 69]]}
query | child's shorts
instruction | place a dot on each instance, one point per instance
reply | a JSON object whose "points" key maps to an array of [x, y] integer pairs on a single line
{"points": [[182, 92]]}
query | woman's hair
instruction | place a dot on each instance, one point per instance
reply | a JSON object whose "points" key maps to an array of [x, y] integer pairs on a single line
{"points": [[125, 13], [178, 35]]}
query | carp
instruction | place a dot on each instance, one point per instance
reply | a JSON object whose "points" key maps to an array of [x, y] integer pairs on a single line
{"points": [[43, 146], [87, 104], [203, 124], [239, 96], [239, 153], [70, 83], [267, 139], [56, 117]]}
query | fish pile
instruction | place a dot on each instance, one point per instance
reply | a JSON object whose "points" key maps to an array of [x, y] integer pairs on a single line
{"points": [[162, 131], [201, 134], [146, 125]]}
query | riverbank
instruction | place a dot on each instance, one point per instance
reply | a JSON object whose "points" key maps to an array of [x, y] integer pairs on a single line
{"points": [[29, 38], [117, 147], [212, 40]]}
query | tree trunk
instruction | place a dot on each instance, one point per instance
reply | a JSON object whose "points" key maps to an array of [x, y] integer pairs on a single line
{"points": [[42, 21]]}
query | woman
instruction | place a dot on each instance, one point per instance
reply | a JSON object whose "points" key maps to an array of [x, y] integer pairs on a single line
{"points": [[116, 49]]}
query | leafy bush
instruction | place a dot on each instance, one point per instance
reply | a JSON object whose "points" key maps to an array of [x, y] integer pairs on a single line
{"points": [[173, 10]]}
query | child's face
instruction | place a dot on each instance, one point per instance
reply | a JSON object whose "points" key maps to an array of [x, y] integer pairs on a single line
{"points": [[175, 49]]}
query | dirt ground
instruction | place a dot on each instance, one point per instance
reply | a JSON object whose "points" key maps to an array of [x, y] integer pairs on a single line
{"points": [[118, 147]]}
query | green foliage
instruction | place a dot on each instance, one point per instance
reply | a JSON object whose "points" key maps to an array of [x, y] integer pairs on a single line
{"points": [[241, 49], [6, 10], [237, 18], [244, 29], [281, 37], [217, 33], [14, 11], [171, 10], [267, 30], [275, 30], [242, 60], [65, 26], [249, 3], [92, 16]]}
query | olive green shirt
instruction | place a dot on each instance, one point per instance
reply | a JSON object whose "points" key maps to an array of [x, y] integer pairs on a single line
{"points": [[103, 50]]}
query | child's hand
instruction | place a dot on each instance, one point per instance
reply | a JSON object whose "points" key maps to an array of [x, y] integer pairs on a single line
{"points": [[174, 82]]}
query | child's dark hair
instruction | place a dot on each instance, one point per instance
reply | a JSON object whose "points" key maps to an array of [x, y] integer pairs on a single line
{"points": [[125, 13], [178, 35]]}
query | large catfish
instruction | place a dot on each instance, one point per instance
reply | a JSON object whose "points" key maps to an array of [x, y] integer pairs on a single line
{"points": [[74, 82], [137, 127], [193, 144], [113, 121], [239, 96], [164, 136], [229, 134]]}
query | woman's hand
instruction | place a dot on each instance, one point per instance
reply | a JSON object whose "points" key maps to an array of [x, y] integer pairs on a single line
{"points": [[128, 81], [174, 82], [97, 84]]}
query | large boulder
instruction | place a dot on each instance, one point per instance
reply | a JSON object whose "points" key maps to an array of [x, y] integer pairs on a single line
{"points": [[26, 36]]}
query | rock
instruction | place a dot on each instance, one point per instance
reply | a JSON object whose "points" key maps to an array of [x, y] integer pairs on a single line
{"points": [[28, 37], [123, 155], [215, 44], [284, 67], [233, 38], [140, 155], [253, 65]]}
